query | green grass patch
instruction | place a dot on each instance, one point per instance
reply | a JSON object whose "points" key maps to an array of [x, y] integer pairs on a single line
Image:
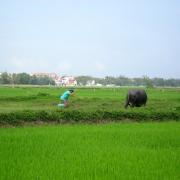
{"points": [[103, 151]]}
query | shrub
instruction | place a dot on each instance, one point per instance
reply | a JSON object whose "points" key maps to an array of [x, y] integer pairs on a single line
{"points": [[68, 116]]}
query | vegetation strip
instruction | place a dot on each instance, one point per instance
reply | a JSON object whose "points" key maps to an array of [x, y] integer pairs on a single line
{"points": [[68, 116]]}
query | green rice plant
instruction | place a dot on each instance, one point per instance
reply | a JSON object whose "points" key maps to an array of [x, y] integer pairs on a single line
{"points": [[97, 151]]}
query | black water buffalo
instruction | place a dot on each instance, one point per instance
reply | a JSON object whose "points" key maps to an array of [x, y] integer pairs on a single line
{"points": [[136, 97]]}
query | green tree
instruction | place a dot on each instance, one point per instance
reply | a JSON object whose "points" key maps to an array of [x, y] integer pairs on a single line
{"points": [[45, 81], [33, 80], [22, 78], [148, 82], [83, 79], [5, 78], [158, 81]]}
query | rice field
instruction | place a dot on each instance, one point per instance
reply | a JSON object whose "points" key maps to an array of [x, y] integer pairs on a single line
{"points": [[124, 150], [85, 99], [98, 151]]}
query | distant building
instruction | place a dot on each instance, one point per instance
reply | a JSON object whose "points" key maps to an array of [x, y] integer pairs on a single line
{"points": [[54, 76], [99, 85], [59, 81], [91, 83], [67, 81], [110, 85]]}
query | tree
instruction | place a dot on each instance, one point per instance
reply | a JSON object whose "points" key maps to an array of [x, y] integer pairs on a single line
{"points": [[83, 79], [158, 81], [5, 78], [45, 81], [22, 78], [148, 82], [110, 80], [33, 80]]}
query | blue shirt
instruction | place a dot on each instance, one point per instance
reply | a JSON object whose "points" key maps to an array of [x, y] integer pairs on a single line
{"points": [[65, 96]]}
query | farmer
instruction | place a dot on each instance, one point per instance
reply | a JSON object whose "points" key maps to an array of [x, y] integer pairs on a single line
{"points": [[64, 97]]}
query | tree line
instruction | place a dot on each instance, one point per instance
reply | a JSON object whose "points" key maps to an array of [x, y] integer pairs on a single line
{"points": [[24, 78], [125, 81]]}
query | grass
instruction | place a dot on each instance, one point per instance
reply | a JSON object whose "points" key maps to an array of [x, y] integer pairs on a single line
{"points": [[20, 104], [82, 151], [104, 151], [85, 99]]}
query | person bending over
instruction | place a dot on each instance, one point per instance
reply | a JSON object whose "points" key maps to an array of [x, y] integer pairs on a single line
{"points": [[64, 98]]}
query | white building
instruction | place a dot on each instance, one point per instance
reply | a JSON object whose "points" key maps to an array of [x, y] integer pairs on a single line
{"points": [[99, 85], [91, 83], [59, 81], [67, 81], [110, 85]]}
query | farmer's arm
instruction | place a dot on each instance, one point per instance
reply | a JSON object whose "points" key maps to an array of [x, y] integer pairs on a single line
{"points": [[72, 94]]}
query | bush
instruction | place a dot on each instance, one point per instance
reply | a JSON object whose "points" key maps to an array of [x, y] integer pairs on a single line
{"points": [[69, 116]]}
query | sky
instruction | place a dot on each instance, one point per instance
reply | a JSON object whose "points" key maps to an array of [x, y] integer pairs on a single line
{"points": [[100, 38]]}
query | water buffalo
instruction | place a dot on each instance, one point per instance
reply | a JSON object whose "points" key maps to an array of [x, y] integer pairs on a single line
{"points": [[136, 97]]}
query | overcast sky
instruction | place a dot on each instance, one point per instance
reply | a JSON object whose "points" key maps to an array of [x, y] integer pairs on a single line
{"points": [[91, 37]]}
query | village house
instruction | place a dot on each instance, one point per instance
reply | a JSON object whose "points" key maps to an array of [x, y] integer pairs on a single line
{"points": [[67, 81], [59, 81]]}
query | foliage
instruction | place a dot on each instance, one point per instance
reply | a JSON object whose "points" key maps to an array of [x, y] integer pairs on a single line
{"points": [[24, 78], [21, 78], [125, 81], [5, 78], [64, 116], [148, 82]]}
